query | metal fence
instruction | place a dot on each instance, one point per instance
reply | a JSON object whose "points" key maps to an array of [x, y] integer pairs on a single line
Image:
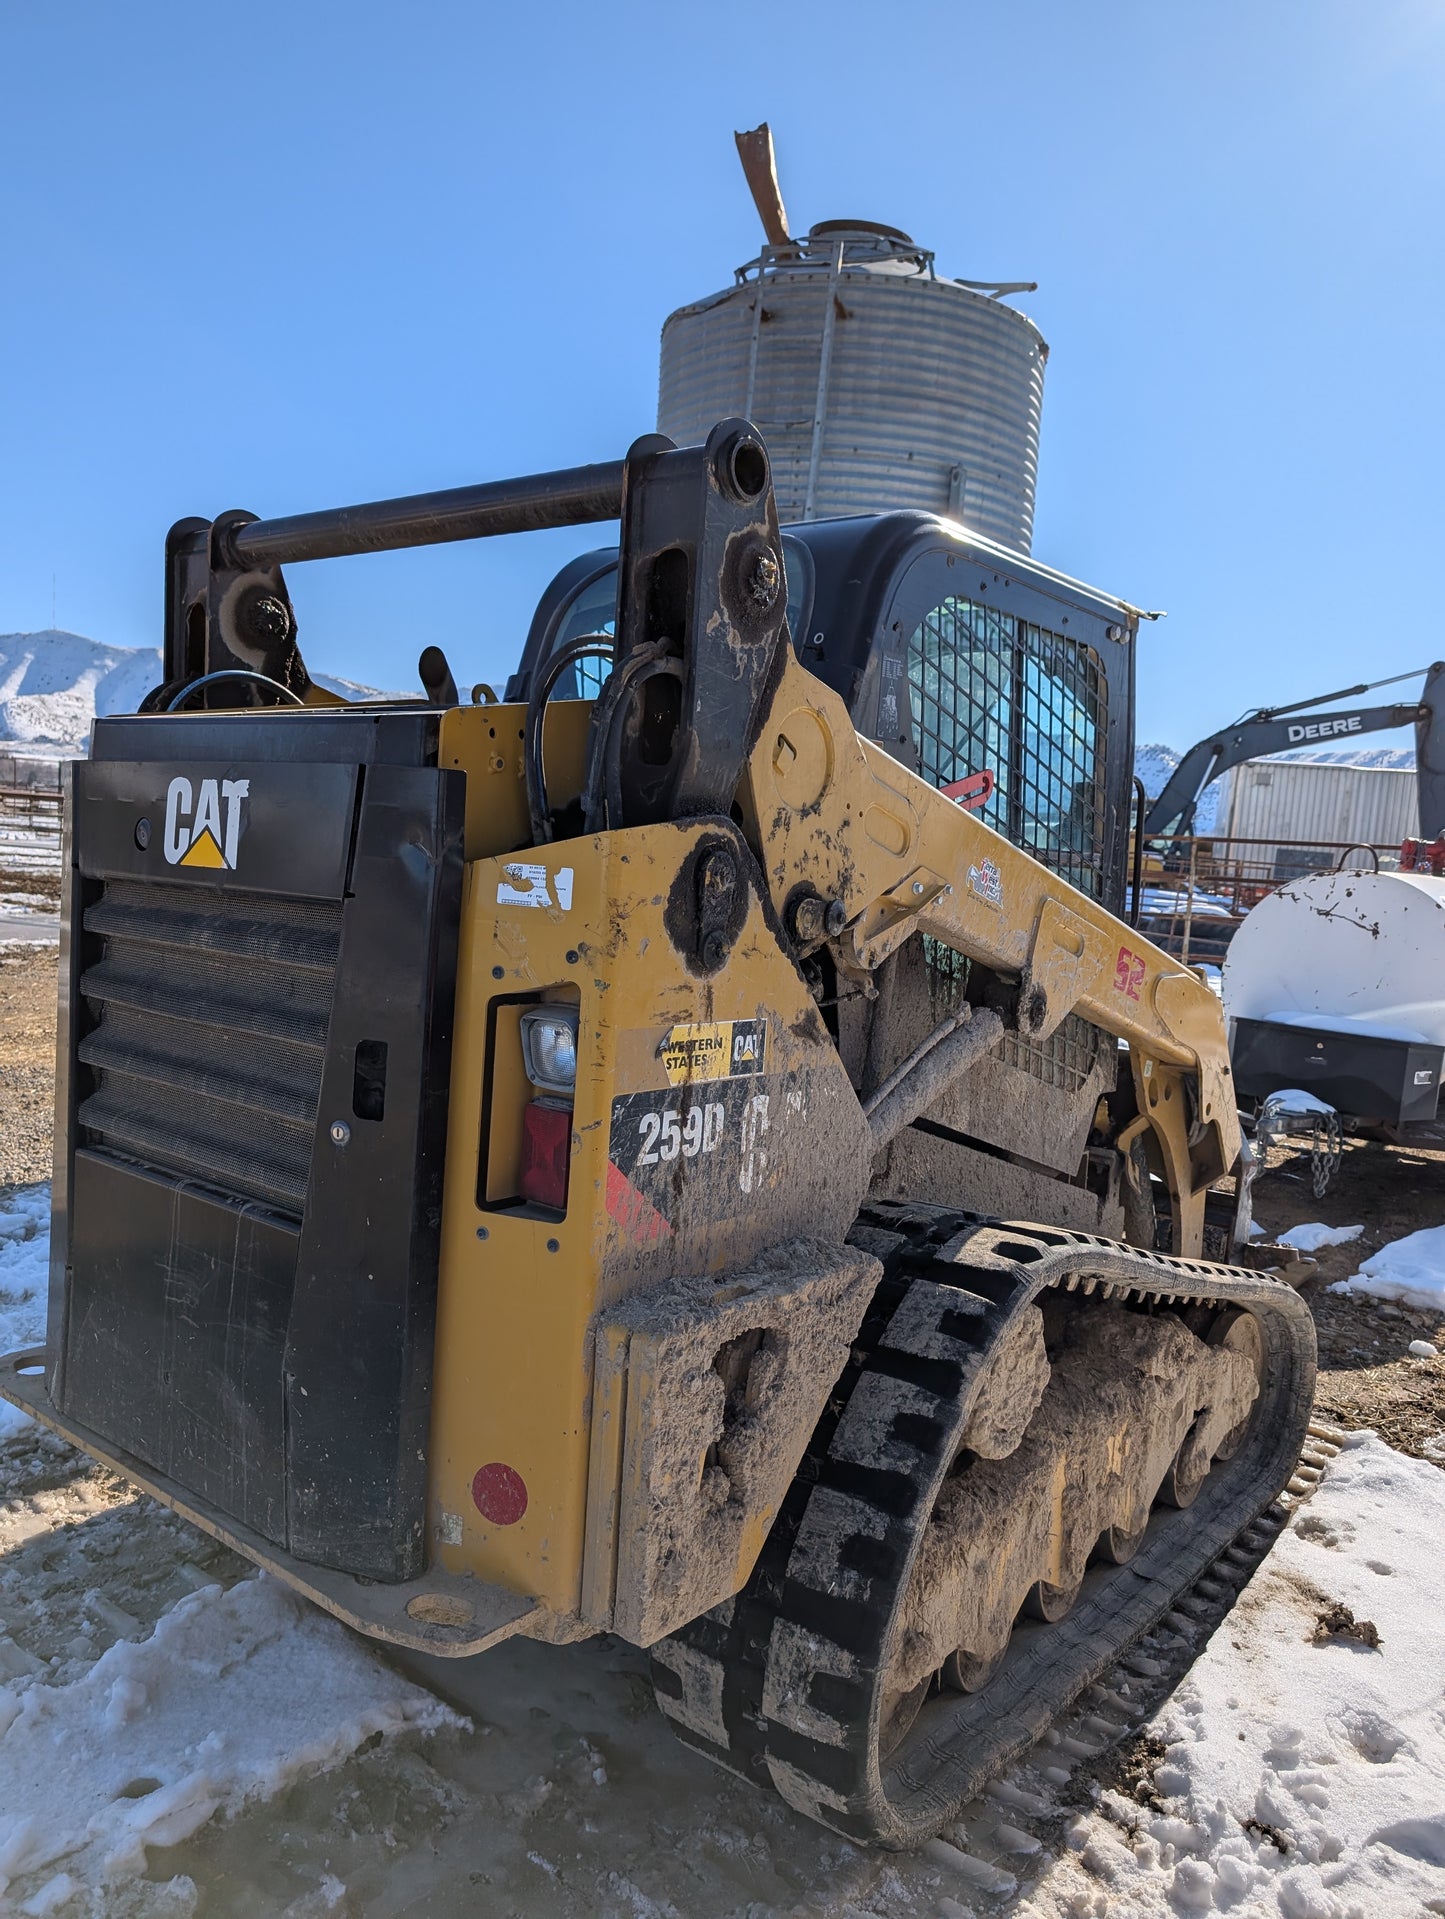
{"points": [[1195, 891], [21, 769], [30, 823]]}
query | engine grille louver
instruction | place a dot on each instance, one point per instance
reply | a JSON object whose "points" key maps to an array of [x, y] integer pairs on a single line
{"points": [[211, 1011]]}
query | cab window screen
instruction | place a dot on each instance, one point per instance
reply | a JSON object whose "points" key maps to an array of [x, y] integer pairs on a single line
{"points": [[993, 693]]}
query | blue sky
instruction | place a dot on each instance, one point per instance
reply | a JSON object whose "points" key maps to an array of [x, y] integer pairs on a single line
{"points": [[282, 257]]}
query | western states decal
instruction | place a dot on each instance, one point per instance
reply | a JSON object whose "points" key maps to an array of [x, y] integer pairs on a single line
{"points": [[719, 1049]]}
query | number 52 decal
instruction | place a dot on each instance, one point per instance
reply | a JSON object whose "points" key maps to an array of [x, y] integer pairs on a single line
{"points": [[1128, 973]]}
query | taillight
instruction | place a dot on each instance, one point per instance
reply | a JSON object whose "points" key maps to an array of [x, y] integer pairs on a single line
{"points": [[546, 1152]]}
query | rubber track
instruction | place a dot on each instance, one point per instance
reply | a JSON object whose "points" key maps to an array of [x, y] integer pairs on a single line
{"points": [[1019, 1824], [781, 1683]]}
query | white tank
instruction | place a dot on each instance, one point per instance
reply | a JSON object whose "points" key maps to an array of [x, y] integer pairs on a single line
{"points": [[1343, 953]]}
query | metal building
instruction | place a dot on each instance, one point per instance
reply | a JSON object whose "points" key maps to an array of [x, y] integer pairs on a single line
{"points": [[876, 382], [1298, 803]]}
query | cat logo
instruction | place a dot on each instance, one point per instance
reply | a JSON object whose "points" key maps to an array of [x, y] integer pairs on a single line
{"points": [[204, 828], [748, 1046]]}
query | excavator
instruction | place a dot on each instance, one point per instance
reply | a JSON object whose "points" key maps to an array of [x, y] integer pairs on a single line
{"points": [[641, 1156], [1299, 726]]}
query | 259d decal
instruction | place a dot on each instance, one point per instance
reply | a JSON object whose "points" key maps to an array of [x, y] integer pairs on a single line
{"points": [[664, 1145]]}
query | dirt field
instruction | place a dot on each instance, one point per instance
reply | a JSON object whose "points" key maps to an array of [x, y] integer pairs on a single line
{"points": [[1367, 1376], [27, 1063]]}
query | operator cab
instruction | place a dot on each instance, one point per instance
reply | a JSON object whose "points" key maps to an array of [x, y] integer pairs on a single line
{"points": [[960, 657]]}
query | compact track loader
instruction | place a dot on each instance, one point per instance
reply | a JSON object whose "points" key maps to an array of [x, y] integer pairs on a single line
{"points": [[556, 1166]]}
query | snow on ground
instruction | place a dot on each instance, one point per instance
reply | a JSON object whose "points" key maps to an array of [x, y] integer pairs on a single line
{"points": [[234, 1695], [1174, 900], [169, 1747], [1304, 1770], [1311, 1237], [24, 1274], [31, 927], [1410, 1270]]}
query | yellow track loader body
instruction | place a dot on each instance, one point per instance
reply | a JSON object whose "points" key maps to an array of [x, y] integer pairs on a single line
{"points": [[514, 1177]]}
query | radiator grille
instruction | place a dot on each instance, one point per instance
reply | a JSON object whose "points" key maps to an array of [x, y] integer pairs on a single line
{"points": [[1066, 1059], [211, 1010]]}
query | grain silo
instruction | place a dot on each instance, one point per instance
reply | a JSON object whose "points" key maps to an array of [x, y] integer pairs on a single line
{"points": [[876, 381]]}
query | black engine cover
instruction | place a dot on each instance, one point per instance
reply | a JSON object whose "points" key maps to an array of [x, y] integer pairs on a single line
{"points": [[262, 915]]}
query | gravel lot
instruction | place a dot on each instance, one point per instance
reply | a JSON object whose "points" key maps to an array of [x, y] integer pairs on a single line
{"points": [[27, 1063]]}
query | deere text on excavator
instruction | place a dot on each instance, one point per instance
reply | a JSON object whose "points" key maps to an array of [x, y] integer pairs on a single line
{"points": [[640, 1156]]}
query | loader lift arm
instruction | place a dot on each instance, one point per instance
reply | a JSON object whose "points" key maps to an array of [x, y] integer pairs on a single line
{"points": [[1270, 729], [858, 852], [848, 838]]}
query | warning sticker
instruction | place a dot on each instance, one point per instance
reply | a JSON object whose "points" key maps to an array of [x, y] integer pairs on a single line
{"points": [[722, 1049], [524, 883]]}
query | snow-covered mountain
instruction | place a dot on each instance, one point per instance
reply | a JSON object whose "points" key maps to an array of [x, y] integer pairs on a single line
{"points": [[1154, 763], [53, 684], [1397, 758]]}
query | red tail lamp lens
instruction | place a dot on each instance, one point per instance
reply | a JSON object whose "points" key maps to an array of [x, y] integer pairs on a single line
{"points": [[546, 1152]]}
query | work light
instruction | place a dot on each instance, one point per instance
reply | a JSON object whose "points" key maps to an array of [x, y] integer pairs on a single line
{"points": [[549, 1046]]}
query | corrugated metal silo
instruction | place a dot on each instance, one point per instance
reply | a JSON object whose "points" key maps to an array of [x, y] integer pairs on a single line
{"points": [[875, 382]]}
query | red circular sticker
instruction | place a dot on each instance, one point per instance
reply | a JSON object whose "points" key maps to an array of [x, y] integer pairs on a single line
{"points": [[500, 1494]]}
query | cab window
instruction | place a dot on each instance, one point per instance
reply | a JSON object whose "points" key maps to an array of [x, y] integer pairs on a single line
{"points": [[992, 692], [593, 609]]}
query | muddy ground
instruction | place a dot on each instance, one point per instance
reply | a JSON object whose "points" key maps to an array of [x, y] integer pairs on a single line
{"points": [[1367, 1376], [27, 1063], [569, 1796]]}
